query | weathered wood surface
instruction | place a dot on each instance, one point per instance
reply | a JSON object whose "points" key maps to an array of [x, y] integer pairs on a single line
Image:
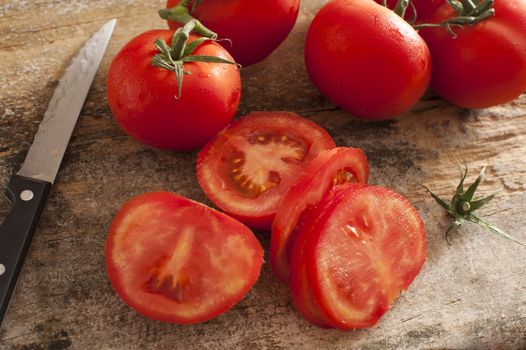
{"points": [[471, 294]]}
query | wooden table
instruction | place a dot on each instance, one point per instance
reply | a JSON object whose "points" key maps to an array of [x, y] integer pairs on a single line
{"points": [[471, 294]]}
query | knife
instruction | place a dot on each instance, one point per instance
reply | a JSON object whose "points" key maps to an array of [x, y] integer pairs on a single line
{"points": [[28, 189]]}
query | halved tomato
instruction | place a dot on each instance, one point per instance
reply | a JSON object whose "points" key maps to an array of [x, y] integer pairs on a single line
{"points": [[175, 260], [364, 250], [328, 170], [247, 168]]}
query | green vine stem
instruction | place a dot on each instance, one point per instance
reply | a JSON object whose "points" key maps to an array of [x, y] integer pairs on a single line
{"points": [[179, 52], [468, 13], [182, 14], [463, 205]]}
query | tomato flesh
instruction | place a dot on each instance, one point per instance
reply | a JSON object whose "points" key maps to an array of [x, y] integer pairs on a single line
{"points": [[328, 170], [175, 260], [247, 168], [364, 250]]}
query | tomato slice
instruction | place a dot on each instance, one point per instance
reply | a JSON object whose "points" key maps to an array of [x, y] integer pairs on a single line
{"points": [[300, 285], [363, 251], [175, 260], [247, 168], [330, 169]]}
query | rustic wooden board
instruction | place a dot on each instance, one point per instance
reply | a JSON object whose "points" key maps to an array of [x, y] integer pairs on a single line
{"points": [[471, 294]]}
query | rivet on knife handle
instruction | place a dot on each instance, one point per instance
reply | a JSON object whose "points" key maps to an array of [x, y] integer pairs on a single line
{"points": [[28, 197]]}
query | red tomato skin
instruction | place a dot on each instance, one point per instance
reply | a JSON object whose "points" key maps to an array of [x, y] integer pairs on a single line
{"points": [[366, 59], [174, 201], [485, 65], [300, 284], [143, 98], [213, 184], [403, 277], [256, 28], [310, 188], [424, 8]]}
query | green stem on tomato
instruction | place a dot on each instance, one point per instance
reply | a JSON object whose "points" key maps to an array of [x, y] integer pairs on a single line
{"points": [[180, 51], [181, 14], [468, 13], [180, 39]]}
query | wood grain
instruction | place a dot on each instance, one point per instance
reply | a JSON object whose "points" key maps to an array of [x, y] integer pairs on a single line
{"points": [[471, 294]]}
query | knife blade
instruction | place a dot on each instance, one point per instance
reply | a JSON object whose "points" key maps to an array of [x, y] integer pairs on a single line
{"points": [[29, 188]]}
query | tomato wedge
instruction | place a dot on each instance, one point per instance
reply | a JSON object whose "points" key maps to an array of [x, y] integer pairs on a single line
{"points": [[365, 248], [247, 169], [330, 169], [175, 260]]}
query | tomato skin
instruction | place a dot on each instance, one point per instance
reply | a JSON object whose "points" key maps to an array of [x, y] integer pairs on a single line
{"points": [[311, 187], [366, 59], [485, 65], [143, 99], [256, 28], [300, 283], [217, 179], [366, 247], [153, 227], [424, 8]]}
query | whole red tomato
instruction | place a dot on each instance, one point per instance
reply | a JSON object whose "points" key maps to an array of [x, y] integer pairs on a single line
{"points": [[255, 27], [484, 64], [366, 59], [144, 98]]}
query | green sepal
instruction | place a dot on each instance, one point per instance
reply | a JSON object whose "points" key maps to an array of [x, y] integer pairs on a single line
{"points": [[190, 48], [477, 204], [476, 220], [439, 200], [468, 195], [211, 59]]}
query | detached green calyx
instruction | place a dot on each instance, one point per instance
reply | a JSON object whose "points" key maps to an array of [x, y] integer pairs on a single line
{"points": [[463, 205], [182, 14], [468, 13], [174, 57]]}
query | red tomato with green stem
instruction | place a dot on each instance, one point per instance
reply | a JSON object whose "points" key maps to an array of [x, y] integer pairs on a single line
{"points": [[254, 27], [154, 104], [322, 175], [367, 246], [366, 59], [175, 260], [483, 62], [248, 168]]}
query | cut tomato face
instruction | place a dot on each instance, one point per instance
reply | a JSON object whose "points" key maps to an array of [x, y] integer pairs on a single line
{"points": [[175, 260], [247, 168], [327, 171], [362, 252]]}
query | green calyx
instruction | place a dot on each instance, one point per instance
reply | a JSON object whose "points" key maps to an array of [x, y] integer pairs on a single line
{"points": [[469, 12], [463, 204], [182, 14], [179, 52]]}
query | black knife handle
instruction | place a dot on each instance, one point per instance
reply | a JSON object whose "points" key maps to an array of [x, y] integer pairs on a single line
{"points": [[28, 197]]}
